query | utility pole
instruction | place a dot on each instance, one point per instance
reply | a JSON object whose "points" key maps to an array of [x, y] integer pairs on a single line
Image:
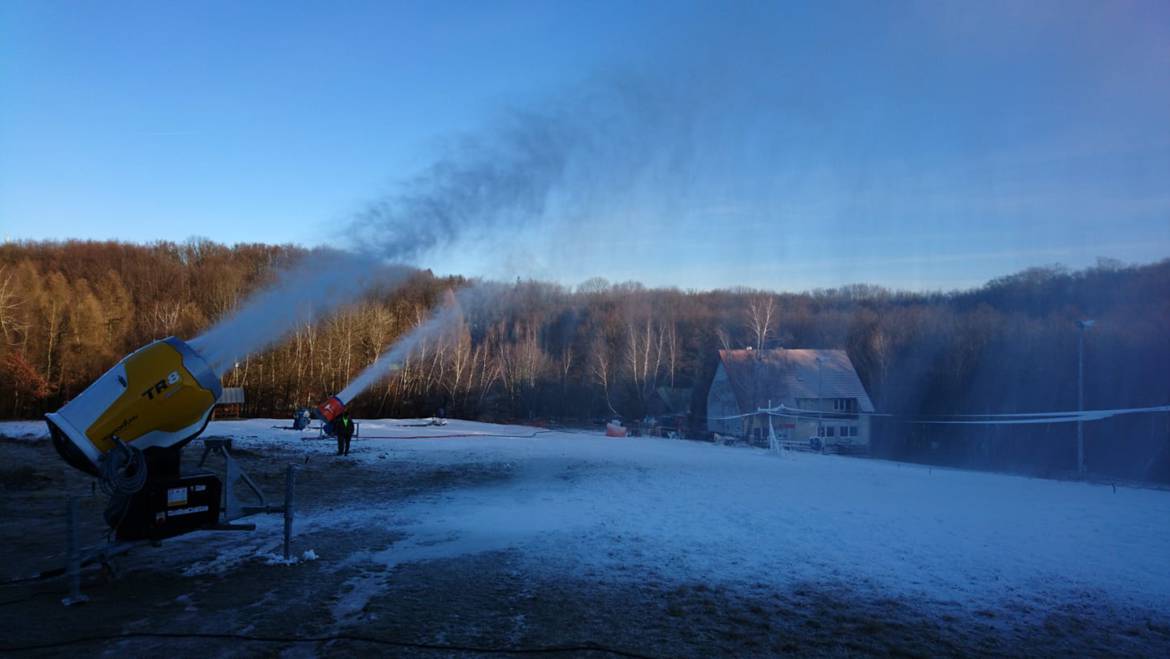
{"points": [[820, 400], [772, 444], [1083, 325]]}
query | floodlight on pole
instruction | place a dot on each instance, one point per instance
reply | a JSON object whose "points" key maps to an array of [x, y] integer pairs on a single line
{"points": [[1084, 325]]}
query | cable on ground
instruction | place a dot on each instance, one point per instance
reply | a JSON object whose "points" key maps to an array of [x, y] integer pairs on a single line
{"points": [[587, 646]]}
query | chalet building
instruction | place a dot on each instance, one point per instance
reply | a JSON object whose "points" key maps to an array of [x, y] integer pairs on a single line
{"points": [[230, 404], [822, 383]]}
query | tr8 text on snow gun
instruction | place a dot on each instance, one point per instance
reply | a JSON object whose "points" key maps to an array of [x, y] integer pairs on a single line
{"points": [[158, 397]]}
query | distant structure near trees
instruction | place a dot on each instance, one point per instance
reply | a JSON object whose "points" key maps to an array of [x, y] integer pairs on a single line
{"points": [[821, 392], [230, 404]]}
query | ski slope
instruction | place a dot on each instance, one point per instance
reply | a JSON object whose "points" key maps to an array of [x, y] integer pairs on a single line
{"points": [[578, 503]]}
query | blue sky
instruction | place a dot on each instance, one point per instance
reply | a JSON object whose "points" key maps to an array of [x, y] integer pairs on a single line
{"points": [[916, 145]]}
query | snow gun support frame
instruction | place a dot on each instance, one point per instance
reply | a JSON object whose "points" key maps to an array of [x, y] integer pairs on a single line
{"points": [[128, 429], [78, 557]]}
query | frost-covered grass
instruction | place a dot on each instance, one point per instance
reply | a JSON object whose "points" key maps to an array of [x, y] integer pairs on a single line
{"points": [[697, 512], [678, 511]]}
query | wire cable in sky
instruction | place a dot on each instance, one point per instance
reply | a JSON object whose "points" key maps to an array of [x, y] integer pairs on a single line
{"points": [[1013, 418]]}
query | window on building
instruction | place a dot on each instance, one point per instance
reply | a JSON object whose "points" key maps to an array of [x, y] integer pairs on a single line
{"points": [[844, 431], [852, 431], [820, 431], [845, 404], [829, 431]]}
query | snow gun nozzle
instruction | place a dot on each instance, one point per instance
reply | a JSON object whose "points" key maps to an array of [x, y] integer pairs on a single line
{"points": [[331, 408]]}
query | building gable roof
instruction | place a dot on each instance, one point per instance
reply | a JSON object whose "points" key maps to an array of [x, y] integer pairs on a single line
{"points": [[783, 375], [675, 400]]}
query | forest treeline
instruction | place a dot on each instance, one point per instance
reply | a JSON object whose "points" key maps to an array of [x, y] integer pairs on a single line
{"points": [[534, 350]]}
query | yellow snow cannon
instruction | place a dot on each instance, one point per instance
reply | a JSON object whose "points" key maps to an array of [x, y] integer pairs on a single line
{"points": [[159, 396]]}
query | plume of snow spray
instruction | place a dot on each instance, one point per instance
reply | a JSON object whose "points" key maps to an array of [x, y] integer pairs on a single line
{"points": [[317, 285], [392, 359], [570, 156], [500, 178], [608, 147]]}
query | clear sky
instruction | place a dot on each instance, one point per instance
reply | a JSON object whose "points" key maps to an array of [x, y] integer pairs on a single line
{"points": [[919, 145]]}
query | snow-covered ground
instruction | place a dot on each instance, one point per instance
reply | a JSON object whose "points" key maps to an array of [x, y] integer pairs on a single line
{"points": [[580, 503], [30, 430]]}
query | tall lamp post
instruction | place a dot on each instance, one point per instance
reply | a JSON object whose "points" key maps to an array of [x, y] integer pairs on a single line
{"points": [[1083, 325]]}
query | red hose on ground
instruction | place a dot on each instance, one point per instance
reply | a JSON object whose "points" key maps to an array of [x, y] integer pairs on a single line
{"points": [[454, 435]]}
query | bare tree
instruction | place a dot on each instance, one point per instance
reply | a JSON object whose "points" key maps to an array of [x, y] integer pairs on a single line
{"points": [[601, 368], [723, 338], [9, 304], [761, 314], [672, 349]]}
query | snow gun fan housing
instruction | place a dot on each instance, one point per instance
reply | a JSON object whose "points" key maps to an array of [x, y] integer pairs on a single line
{"points": [[330, 409], [159, 396]]}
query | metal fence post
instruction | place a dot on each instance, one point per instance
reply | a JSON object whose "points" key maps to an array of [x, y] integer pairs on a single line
{"points": [[289, 480], [73, 543]]}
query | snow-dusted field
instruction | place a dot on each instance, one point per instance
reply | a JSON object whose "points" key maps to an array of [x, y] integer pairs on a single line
{"points": [[635, 511], [691, 511]]}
